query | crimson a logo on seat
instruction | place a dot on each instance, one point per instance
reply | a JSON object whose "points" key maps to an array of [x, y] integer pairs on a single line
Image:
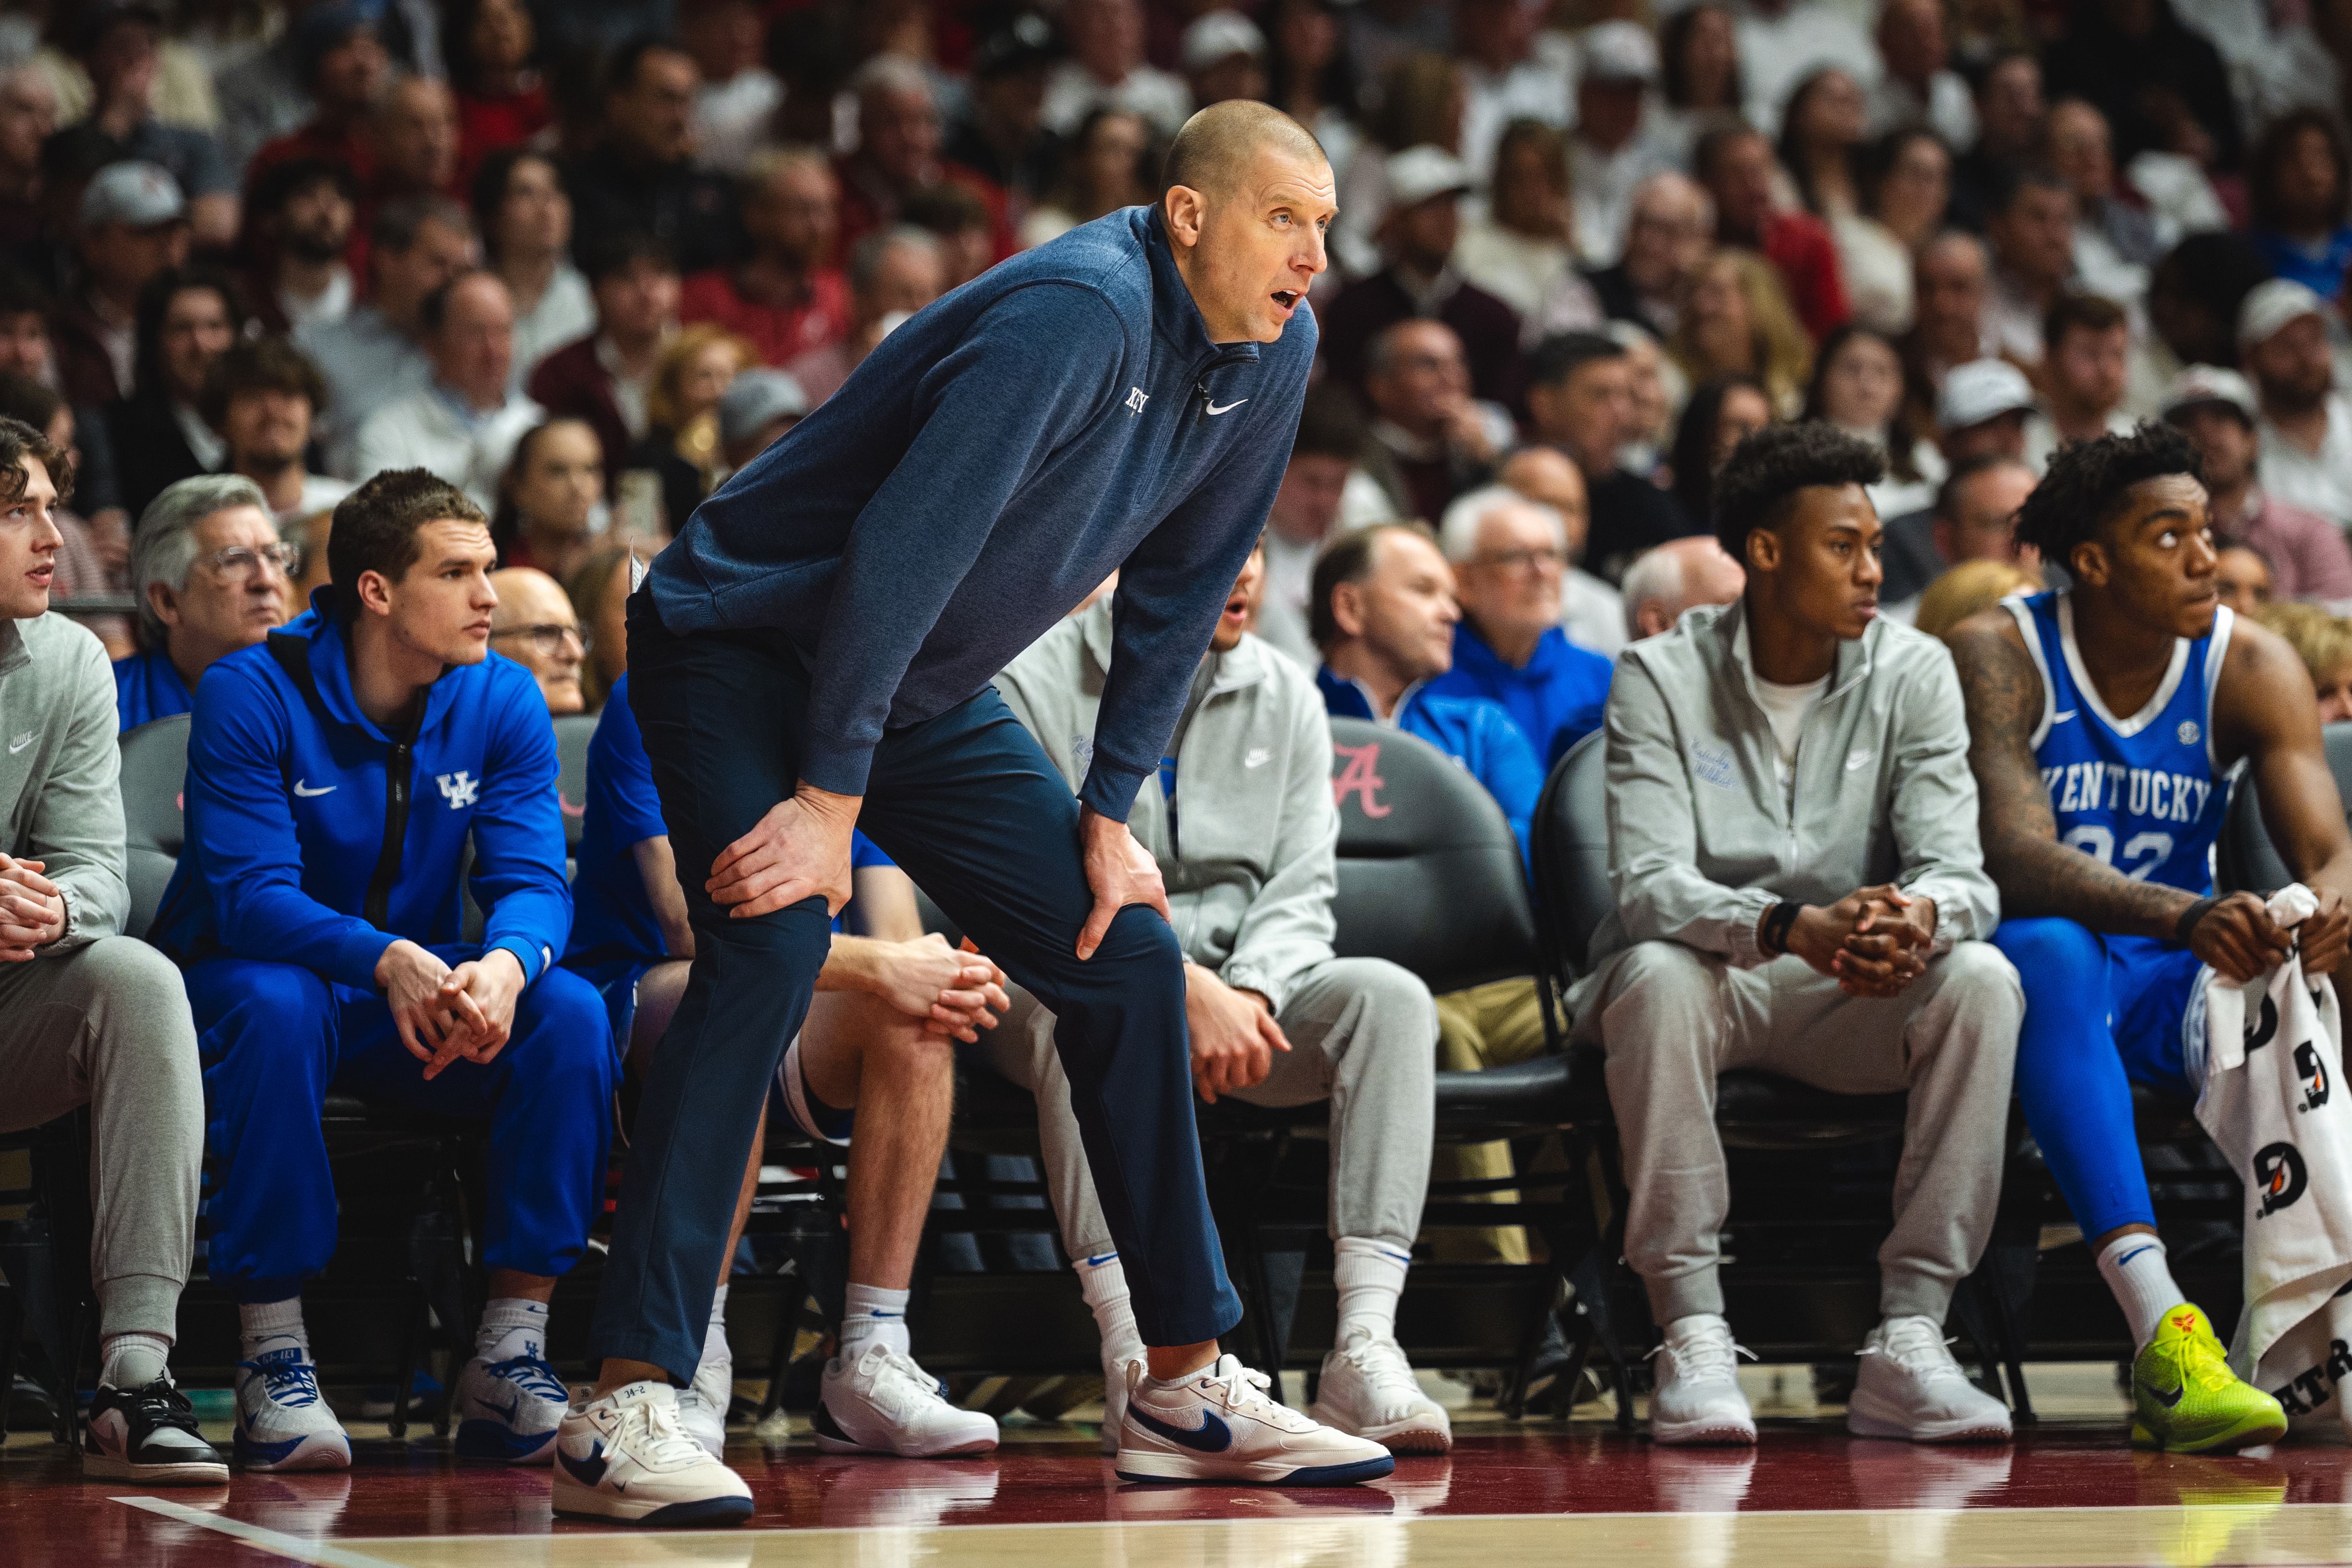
{"points": [[1360, 777]]}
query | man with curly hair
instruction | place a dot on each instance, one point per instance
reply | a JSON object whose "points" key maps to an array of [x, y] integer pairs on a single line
{"points": [[1792, 847], [2104, 720]]}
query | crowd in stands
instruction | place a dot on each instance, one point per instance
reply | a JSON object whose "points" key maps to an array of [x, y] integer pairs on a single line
{"points": [[461, 311]]}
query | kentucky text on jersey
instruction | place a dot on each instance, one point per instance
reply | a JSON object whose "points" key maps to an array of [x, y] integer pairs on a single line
{"points": [[2137, 791]]}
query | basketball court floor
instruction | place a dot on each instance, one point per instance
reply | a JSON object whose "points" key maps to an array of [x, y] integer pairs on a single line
{"points": [[2070, 1493]]}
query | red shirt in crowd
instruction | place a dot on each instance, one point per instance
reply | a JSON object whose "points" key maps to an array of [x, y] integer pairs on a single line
{"points": [[488, 123], [1800, 247], [781, 332]]}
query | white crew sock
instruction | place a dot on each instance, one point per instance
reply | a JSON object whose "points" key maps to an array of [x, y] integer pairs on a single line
{"points": [[715, 1349], [271, 1326], [132, 1361], [511, 1326], [2134, 1267], [1369, 1276], [1102, 1280], [873, 1313]]}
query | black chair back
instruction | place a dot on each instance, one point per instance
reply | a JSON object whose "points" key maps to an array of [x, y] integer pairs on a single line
{"points": [[2248, 862], [155, 813], [1569, 841], [1429, 873]]}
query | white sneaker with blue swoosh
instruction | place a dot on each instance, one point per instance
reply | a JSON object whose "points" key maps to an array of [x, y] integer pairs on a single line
{"points": [[626, 1457], [884, 1403], [282, 1419], [508, 1410], [1218, 1424]]}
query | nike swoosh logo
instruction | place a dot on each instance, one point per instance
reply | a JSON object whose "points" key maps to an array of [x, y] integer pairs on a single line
{"points": [[1258, 758], [507, 1414], [20, 743], [587, 1471], [2167, 1400], [1211, 1437], [1213, 410], [2134, 1252], [1097, 1262], [307, 793], [2061, 717], [1859, 760]]}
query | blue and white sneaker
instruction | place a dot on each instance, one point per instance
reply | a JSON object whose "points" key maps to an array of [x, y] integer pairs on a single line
{"points": [[1219, 1424], [282, 1420], [508, 1410], [625, 1458]]}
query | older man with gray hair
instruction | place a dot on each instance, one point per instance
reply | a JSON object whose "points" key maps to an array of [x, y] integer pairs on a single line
{"points": [[1676, 576], [893, 273], [212, 576]]}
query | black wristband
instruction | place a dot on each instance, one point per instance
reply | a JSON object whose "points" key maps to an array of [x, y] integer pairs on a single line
{"points": [[2188, 919], [1773, 935]]}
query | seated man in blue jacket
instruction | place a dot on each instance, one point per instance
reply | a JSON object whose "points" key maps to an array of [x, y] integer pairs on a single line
{"points": [[1510, 555], [878, 1040], [334, 776], [210, 575]]}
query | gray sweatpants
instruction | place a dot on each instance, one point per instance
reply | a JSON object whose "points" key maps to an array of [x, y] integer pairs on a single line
{"points": [[1671, 1018], [107, 1025], [1363, 1035]]}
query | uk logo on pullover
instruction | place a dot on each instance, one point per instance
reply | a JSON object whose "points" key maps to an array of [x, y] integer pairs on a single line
{"points": [[289, 804]]}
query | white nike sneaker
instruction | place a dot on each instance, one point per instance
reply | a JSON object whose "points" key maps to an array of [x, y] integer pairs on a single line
{"points": [[1115, 1404], [1696, 1397], [702, 1405], [1219, 1425], [624, 1456], [508, 1410], [883, 1403], [282, 1420], [1910, 1386], [1367, 1389]]}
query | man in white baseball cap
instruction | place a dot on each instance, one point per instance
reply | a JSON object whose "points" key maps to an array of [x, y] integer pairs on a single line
{"points": [[2306, 426], [1224, 57], [2217, 410], [132, 225], [1609, 155], [1980, 413]]}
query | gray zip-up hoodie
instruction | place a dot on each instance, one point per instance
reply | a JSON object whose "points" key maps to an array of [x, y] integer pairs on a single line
{"points": [[61, 775], [1251, 893], [1702, 840]]}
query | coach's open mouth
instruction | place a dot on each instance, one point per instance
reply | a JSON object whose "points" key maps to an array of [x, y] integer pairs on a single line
{"points": [[1287, 299]]}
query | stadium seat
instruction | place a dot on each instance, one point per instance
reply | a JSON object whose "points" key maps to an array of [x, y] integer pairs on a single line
{"points": [[572, 733], [2246, 859], [155, 771]]}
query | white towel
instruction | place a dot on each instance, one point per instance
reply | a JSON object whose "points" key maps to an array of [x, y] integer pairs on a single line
{"points": [[2270, 1103]]}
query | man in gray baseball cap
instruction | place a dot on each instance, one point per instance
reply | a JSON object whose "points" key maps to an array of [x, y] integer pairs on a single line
{"points": [[2217, 410], [758, 407], [131, 225]]}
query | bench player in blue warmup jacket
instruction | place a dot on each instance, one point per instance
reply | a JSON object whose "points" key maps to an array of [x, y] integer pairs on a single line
{"points": [[2104, 723], [878, 1040], [813, 655], [335, 773]]}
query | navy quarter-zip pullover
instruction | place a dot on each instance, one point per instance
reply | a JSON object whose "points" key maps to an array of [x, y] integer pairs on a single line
{"points": [[1062, 415]]}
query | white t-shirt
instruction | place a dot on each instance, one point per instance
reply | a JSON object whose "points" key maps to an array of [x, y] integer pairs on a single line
{"points": [[1786, 708]]}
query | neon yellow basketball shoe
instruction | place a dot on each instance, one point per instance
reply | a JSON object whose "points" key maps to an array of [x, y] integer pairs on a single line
{"points": [[2184, 1398]]}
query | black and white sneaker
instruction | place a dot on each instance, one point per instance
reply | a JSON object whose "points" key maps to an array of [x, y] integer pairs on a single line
{"points": [[148, 1435]]}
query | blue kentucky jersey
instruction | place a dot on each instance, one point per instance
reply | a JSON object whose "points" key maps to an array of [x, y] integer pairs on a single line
{"points": [[2140, 792]]}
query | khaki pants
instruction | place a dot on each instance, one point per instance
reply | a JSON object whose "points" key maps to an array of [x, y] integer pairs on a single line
{"points": [[1486, 1027]]}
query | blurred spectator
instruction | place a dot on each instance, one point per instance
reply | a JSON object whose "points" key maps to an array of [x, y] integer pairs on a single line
{"points": [[1425, 186], [414, 134], [958, 216], [1700, 80], [892, 275], [29, 114], [1431, 439], [1781, 40], [1524, 251], [26, 350], [1858, 387], [115, 42], [340, 63], [264, 398], [548, 498], [463, 426], [1307, 514], [1974, 519], [599, 590], [2087, 341], [2299, 188], [309, 535], [1507, 554], [1514, 68], [1919, 89], [1982, 411], [1821, 133], [1906, 187], [2324, 643], [1590, 612], [1737, 322], [2306, 428], [1004, 137], [2162, 87], [1953, 280], [1610, 154], [1669, 231], [187, 319], [682, 439], [1110, 164], [603, 378], [1837, 176], [210, 574], [376, 352], [755, 411], [2009, 136], [525, 217], [1310, 77], [1736, 166], [1106, 67], [739, 94], [493, 51], [133, 228], [786, 298], [2309, 556], [1581, 400], [1678, 575], [90, 558], [2116, 240], [1420, 102], [2242, 578], [898, 135], [1224, 57], [301, 218], [2194, 296], [1968, 588], [1722, 412], [1659, 389], [534, 625], [639, 175], [2032, 233]]}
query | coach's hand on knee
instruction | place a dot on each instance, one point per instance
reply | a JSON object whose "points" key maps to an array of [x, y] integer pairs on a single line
{"points": [[1121, 872], [2239, 938], [799, 850]]}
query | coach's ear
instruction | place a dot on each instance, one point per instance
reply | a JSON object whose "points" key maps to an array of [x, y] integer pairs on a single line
{"points": [[1186, 207]]}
